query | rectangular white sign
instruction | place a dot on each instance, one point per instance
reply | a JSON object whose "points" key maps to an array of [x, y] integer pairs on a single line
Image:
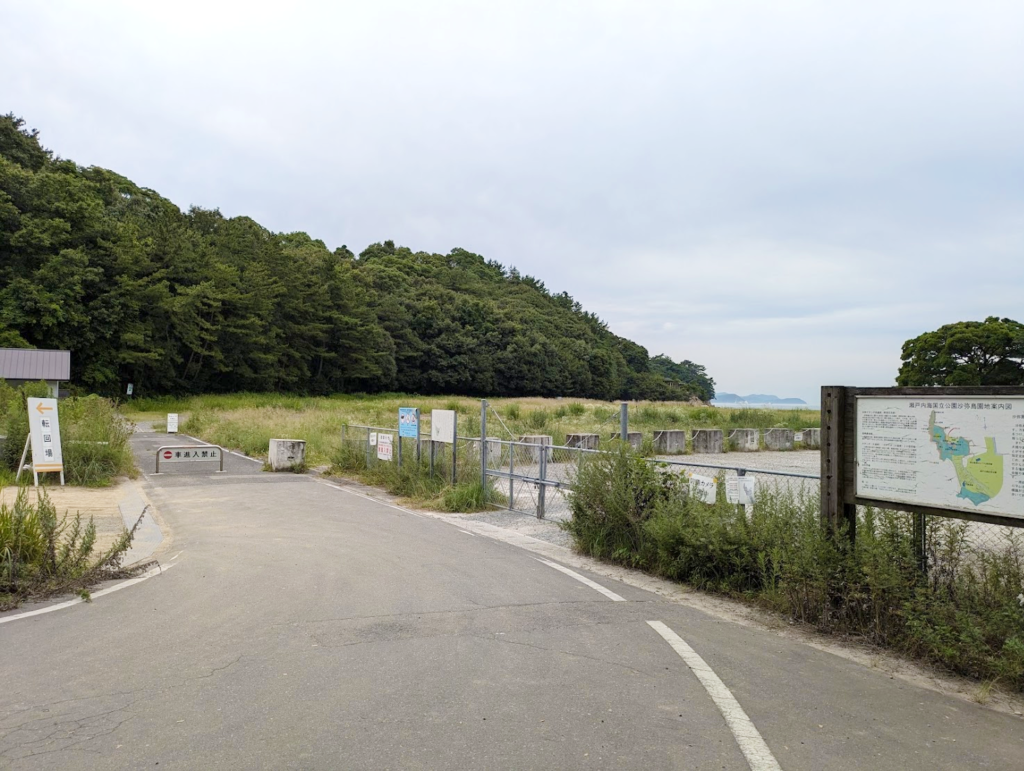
{"points": [[44, 428], [704, 488], [385, 450], [741, 490], [373, 439], [172, 422], [442, 426], [183, 454], [964, 453]]}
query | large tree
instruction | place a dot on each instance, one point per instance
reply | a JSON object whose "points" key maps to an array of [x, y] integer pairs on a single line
{"points": [[967, 353]]}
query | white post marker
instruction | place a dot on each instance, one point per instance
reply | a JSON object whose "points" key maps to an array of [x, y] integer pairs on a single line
{"points": [[44, 433], [172, 422]]}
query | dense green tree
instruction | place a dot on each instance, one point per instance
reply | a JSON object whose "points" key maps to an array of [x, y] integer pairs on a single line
{"points": [[967, 353], [179, 302]]}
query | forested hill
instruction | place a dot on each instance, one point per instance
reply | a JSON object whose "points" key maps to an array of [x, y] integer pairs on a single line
{"points": [[177, 302]]}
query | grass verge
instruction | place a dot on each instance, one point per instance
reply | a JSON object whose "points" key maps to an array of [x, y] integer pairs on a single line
{"points": [[966, 615]]}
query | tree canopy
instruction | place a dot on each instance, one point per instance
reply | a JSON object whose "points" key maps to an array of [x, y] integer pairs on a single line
{"points": [[195, 302], [967, 353]]}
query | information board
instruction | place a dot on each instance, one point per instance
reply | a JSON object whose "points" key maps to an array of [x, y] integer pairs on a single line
{"points": [[44, 430], [172, 422], [385, 450], [963, 453], [704, 488], [409, 422], [442, 426], [740, 490]]}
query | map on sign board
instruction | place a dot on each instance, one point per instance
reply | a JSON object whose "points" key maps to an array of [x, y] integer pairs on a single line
{"points": [[385, 450], [442, 426], [960, 453], [409, 422], [44, 430]]}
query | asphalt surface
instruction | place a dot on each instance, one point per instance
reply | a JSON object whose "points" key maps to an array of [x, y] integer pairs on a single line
{"points": [[298, 625]]}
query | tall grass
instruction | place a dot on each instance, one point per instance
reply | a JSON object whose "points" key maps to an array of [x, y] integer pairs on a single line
{"points": [[247, 422], [42, 554], [965, 615], [94, 436]]}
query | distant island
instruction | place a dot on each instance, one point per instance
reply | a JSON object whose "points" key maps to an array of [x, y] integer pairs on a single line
{"points": [[756, 399]]}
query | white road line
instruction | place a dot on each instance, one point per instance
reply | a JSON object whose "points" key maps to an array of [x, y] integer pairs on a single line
{"points": [[77, 601], [466, 532], [232, 452], [583, 579], [753, 747], [368, 498]]}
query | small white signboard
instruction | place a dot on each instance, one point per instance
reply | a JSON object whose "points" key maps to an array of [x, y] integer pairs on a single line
{"points": [[172, 422], [373, 439], [442, 426], [740, 490], [704, 488], [182, 454], [385, 449], [44, 430], [798, 436]]}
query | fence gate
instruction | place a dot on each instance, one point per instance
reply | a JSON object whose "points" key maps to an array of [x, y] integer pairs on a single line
{"points": [[531, 478]]}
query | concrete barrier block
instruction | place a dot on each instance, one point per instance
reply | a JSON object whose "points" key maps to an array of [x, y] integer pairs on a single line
{"points": [[539, 440], [812, 438], [745, 439], [707, 441], [670, 442], [635, 438], [287, 454], [583, 441], [778, 439]]}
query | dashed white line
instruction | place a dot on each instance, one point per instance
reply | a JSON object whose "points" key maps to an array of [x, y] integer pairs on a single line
{"points": [[584, 580], [753, 747], [77, 601]]}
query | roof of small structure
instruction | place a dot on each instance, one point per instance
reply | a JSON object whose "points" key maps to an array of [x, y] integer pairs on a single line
{"points": [[34, 364]]}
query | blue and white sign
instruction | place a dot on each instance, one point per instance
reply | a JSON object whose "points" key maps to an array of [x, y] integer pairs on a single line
{"points": [[408, 422]]}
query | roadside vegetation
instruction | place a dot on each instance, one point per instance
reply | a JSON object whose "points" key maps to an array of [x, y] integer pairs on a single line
{"points": [[43, 554], [247, 422], [965, 615], [94, 437]]}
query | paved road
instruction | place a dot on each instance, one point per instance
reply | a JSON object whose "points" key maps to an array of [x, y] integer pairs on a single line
{"points": [[302, 626]]}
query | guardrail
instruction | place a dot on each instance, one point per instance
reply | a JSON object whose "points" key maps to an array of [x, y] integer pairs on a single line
{"points": [[190, 453]]}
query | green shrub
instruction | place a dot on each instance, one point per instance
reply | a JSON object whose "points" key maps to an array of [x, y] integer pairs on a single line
{"points": [[966, 614], [537, 419], [42, 554]]}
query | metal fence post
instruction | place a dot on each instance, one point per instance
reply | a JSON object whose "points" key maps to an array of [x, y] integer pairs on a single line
{"points": [[455, 444], [418, 436], [624, 421], [483, 450], [367, 448], [431, 453], [542, 488], [511, 471]]}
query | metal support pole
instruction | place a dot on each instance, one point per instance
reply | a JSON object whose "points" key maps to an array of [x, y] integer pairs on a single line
{"points": [[511, 473], [483, 450], [921, 543], [418, 436], [542, 488], [367, 448], [398, 438], [455, 444], [431, 458], [624, 421]]}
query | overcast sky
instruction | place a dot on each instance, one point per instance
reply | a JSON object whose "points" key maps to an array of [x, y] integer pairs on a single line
{"points": [[781, 191]]}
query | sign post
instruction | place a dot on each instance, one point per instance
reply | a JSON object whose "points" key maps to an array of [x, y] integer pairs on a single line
{"points": [[44, 435], [443, 429], [172, 422]]}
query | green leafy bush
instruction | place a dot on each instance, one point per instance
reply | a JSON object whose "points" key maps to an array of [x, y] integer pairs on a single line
{"points": [[42, 554], [966, 614]]}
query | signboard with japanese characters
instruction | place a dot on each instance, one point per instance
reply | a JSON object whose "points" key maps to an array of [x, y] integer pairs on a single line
{"points": [[409, 422], [960, 453], [704, 488], [44, 430], [385, 450], [182, 454]]}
